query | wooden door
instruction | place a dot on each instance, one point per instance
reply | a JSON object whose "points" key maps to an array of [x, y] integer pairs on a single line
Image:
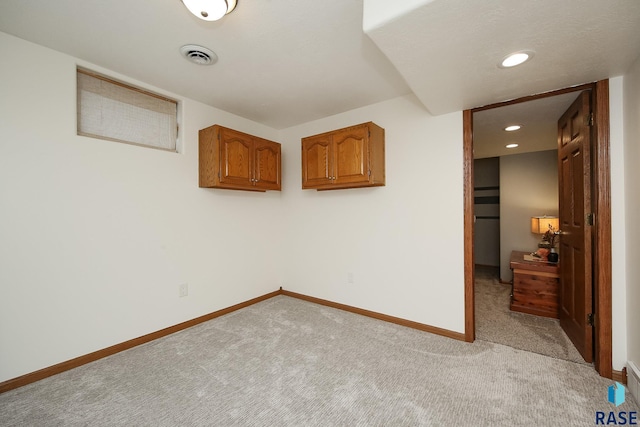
{"points": [[574, 172], [267, 164], [351, 155], [316, 161], [236, 163]]}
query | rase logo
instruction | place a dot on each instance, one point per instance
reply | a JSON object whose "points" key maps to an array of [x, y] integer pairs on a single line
{"points": [[615, 395]]}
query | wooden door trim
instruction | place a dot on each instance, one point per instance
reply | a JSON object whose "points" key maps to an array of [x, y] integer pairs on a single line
{"points": [[579, 88], [469, 225], [601, 197]]}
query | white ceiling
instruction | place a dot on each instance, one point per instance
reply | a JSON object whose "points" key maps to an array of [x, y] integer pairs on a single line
{"points": [[448, 50], [539, 131], [286, 62]]}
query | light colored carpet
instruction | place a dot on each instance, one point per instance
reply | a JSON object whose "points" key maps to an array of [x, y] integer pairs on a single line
{"points": [[286, 362], [497, 324]]}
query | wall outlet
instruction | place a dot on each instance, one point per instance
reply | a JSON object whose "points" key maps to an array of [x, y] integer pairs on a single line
{"points": [[350, 277], [183, 290]]}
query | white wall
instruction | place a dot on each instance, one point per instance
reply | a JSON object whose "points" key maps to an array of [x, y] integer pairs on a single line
{"points": [[528, 187], [618, 230], [402, 242], [96, 236], [632, 208]]}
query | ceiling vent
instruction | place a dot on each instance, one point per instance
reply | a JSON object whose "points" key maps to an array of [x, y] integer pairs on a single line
{"points": [[199, 54]]}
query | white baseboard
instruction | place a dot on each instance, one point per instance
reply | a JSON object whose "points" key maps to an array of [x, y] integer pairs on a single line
{"points": [[633, 381]]}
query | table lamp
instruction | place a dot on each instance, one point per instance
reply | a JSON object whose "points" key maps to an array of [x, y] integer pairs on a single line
{"points": [[542, 224]]}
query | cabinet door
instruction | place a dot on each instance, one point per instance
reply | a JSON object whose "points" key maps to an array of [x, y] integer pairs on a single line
{"points": [[267, 164], [236, 163], [351, 155], [316, 161]]}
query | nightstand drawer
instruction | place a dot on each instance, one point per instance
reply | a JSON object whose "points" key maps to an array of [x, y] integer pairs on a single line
{"points": [[540, 299]]}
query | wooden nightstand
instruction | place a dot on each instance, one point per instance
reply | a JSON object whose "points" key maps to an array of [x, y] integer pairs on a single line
{"points": [[535, 288]]}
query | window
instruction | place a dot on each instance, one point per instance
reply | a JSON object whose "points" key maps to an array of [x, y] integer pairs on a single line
{"points": [[114, 111]]}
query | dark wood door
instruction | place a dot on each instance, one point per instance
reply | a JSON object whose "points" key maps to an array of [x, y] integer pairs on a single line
{"points": [[351, 155], [316, 161], [267, 164], [236, 163], [574, 170]]}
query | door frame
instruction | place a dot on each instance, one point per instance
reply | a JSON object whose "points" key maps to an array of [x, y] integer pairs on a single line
{"points": [[601, 205]]}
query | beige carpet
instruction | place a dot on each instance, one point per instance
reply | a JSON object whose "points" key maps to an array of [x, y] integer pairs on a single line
{"points": [[497, 324], [286, 362]]}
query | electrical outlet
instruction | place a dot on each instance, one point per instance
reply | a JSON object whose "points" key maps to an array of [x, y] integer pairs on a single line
{"points": [[350, 277], [183, 290]]}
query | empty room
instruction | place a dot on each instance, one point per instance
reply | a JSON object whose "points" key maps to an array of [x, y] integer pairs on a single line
{"points": [[262, 212]]}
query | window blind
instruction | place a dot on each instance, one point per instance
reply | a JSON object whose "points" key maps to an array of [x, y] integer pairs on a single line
{"points": [[114, 111]]}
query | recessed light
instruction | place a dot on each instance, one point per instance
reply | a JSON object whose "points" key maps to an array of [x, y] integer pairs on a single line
{"points": [[511, 145], [516, 58], [512, 128]]}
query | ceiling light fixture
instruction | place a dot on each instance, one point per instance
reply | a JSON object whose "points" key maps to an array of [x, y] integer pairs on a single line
{"points": [[512, 128], [210, 10], [511, 145], [516, 58]]}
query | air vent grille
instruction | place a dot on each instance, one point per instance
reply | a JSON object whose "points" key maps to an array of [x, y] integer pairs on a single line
{"points": [[198, 54]]}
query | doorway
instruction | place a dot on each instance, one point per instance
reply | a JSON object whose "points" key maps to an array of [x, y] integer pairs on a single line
{"points": [[600, 177]]}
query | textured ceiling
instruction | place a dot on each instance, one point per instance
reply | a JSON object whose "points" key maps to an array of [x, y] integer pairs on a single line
{"points": [[448, 50], [286, 62], [281, 62]]}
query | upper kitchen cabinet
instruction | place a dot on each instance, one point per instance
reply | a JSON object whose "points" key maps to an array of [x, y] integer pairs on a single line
{"points": [[344, 158], [238, 161]]}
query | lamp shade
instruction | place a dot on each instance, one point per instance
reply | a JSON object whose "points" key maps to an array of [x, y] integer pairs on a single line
{"points": [[210, 10], [541, 224]]}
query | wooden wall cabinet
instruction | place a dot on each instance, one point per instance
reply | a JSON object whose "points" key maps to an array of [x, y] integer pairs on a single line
{"points": [[238, 161], [344, 158]]}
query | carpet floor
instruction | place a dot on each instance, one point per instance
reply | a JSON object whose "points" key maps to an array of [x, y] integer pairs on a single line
{"points": [[286, 362], [496, 323]]}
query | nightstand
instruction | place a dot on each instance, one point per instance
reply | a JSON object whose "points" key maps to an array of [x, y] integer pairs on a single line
{"points": [[535, 288]]}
